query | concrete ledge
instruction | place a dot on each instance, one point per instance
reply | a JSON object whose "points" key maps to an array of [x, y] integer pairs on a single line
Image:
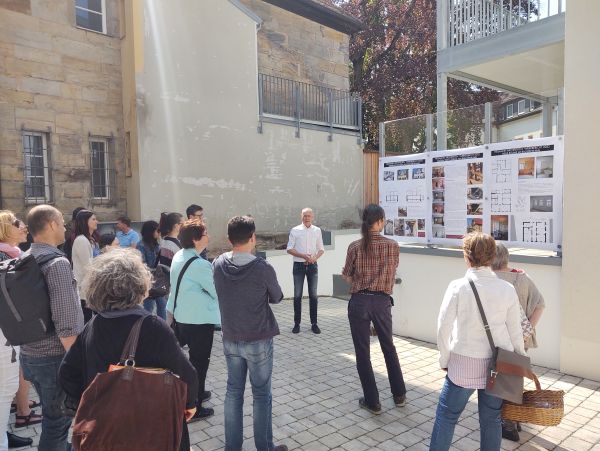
{"points": [[531, 256]]}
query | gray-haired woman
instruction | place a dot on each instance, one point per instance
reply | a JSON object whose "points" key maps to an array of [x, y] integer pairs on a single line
{"points": [[533, 305], [116, 284]]}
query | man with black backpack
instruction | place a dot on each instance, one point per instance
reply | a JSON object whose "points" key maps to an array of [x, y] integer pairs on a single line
{"points": [[41, 359]]}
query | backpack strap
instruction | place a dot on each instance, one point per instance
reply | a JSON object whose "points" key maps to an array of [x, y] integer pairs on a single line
{"points": [[183, 270]]}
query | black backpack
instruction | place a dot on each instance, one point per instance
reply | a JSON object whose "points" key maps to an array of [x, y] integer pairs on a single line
{"points": [[25, 315]]}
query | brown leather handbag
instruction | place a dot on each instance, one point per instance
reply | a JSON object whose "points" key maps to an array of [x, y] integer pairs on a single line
{"points": [[507, 370], [130, 408]]}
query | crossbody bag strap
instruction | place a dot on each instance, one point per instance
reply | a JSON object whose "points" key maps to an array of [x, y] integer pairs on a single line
{"points": [[130, 348], [183, 270], [486, 326]]}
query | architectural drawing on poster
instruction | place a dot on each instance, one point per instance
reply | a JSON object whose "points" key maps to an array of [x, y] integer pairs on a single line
{"points": [[415, 196], [392, 196], [501, 170], [536, 231], [501, 200]]}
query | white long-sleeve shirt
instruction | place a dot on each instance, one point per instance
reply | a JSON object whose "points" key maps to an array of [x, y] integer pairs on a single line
{"points": [[460, 327], [81, 255], [306, 240]]}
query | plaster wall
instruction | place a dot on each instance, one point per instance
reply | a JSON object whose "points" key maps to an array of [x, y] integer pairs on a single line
{"points": [[580, 344], [424, 281], [197, 116]]}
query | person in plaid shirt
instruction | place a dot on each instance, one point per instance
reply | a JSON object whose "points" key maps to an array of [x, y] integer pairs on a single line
{"points": [[370, 268]]}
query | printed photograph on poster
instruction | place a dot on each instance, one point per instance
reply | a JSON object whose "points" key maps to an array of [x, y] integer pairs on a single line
{"points": [[526, 168], [474, 225], [437, 171], [410, 227], [540, 204], [388, 176], [438, 196], [438, 220], [399, 227], [438, 231], [437, 209], [402, 213], [475, 209], [437, 183], [388, 228], [544, 167], [421, 224], [418, 173], [474, 193], [499, 229], [475, 173], [402, 174]]}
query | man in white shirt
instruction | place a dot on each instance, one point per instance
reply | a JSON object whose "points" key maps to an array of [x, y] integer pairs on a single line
{"points": [[306, 246]]}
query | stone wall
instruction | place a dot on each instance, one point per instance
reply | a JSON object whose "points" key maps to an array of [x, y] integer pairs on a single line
{"points": [[296, 48], [64, 82]]}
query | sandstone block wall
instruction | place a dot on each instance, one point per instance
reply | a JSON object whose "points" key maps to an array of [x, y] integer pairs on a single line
{"points": [[292, 47], [64, 82]]}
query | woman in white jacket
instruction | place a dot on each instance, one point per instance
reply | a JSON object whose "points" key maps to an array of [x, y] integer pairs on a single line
{"points": [[85, 248], [465, 351]]}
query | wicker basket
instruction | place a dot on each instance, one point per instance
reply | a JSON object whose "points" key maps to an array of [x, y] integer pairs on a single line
{"points": [[541, 407]]}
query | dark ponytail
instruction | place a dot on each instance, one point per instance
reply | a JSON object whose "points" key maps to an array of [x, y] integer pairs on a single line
{"points": [[168, 221], [371, 214]]}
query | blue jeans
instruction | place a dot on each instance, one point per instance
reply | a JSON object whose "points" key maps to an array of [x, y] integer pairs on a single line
{"points": [[42, 372], [161, 306], [311, 272], [255, 357], [453, 400]]}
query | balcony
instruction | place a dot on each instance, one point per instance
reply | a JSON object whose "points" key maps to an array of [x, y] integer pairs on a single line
{"points": [[304, 105], [511, 45]]}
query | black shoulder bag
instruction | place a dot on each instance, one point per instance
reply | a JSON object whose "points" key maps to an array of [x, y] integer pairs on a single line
{"points": [[181, 273]]}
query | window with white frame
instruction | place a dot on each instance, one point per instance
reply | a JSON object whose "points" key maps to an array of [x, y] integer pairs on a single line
{"points": [[521, 106], [91, 15], [36, 167], [101, 173], [509, 111]]}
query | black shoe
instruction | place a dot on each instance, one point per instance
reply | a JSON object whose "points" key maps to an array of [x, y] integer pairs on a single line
{"points": [[315, 329], [14, 441], [296, 329], [509, 432], [206, 395], [202, 412], [400, 401], [519, 427], [281, 448], [376, 409]]}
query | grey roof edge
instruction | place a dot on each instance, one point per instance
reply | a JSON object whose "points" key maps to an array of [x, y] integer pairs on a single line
{"points": [[246, 11], [318, 12]]}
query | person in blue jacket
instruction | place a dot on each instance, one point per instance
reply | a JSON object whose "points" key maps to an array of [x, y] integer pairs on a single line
{"points": [[196, 309]]}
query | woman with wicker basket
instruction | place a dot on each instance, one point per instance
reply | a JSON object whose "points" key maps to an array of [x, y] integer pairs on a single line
{"points": [[533, 305], [465, 351]]}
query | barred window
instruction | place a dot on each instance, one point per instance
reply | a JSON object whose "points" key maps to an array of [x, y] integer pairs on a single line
{"points": [[101, 168], [36, 167], [91, 15]]}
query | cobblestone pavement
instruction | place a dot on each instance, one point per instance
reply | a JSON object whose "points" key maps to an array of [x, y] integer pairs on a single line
{"points": [[316, 391]]}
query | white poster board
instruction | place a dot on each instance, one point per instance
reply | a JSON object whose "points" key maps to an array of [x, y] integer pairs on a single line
{"points": [[511, 190], [403, 196]]}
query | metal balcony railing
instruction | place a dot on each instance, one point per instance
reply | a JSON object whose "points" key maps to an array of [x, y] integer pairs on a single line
{"points": [[476, 19], [303, 103]]}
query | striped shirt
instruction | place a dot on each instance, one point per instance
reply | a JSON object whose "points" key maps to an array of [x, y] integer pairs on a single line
{"points": [[468, 372], [64, 303], [375, 270], [168, 248]]}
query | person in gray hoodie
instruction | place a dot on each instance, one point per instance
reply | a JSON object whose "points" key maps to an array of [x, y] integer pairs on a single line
{"points": [[246, 285]]}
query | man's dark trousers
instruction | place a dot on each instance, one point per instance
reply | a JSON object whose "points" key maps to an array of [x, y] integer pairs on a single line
{"points": [[362, 310], [311, 272]]}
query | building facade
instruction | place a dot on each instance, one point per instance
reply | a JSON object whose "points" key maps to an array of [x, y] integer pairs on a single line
{"points": [[227, 106], [61, 111]]}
